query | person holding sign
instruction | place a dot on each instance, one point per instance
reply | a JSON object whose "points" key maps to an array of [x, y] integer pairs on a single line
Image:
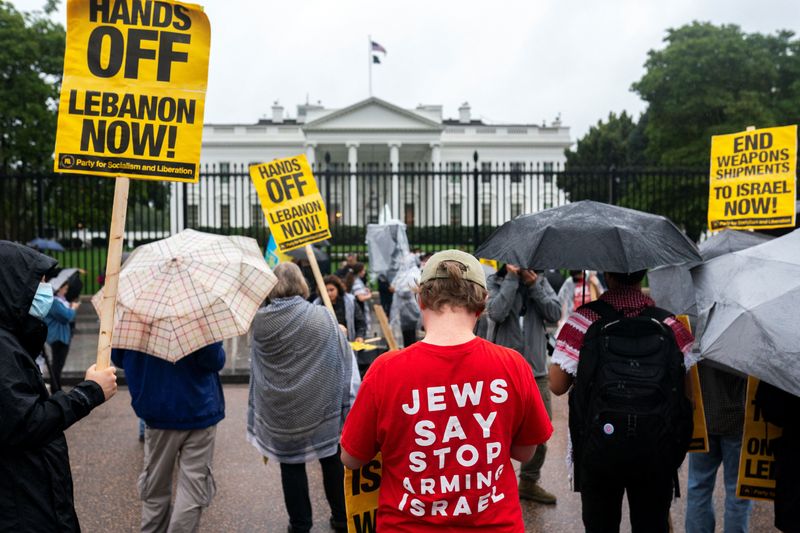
{"points": [[448, 414], [303, 378], [35, 478], [781, 408], [724, 406]]}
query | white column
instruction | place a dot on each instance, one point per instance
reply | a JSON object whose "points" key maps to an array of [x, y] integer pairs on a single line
{"points": [[176, 214], [394, 160], [352, 160], [436, 208], [311, 153]]}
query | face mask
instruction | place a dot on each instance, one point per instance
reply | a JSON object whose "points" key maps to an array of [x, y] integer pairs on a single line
{"points": [[42, 301]]}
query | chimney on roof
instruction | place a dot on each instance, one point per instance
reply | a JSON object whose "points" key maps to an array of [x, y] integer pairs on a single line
{"points": [[277, 113], [464, 113], [433, 109]]}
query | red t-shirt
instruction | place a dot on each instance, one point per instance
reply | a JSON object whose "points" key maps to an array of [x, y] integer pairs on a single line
{"points": [[445, 418]]}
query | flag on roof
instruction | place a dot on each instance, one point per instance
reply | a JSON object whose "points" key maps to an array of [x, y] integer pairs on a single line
{"points": [[378, 48], [376, 59]]}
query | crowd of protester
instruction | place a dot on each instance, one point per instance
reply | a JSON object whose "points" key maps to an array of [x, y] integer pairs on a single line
{"points": [[447, 413]]}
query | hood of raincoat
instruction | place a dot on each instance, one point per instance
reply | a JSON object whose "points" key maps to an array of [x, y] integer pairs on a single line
{"points": [[21, 270]]}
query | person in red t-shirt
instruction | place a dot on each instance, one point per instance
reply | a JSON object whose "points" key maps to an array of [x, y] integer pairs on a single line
{"points": [[448, 414]]}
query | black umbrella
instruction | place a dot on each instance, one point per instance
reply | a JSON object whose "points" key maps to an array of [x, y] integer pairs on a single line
{"points": [[590, 235], [300, 253]]}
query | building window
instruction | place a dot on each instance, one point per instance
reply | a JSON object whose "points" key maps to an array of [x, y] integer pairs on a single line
{"points": [[486, 213], [256, 216], [224, 172], [548, 173], [192, 216], [409, 215], [408, 189], [454, 172], [335, 212], [486, 172], [455, 214], [516, 209], [224, 216], [374, 207], [515, 171]]}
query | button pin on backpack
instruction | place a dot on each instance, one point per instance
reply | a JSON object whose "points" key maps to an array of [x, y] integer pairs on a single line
{"points": [[608, 429]]}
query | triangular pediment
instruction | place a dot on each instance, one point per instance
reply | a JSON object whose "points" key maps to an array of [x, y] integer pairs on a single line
{"points": [[373, 114]]}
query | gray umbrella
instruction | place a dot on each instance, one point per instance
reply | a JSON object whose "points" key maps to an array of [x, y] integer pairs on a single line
{"points": [[671, 286], [748, 311], [589, 235]]}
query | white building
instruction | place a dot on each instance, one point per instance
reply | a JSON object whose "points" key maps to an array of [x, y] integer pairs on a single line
{"points": [[376, 133]]}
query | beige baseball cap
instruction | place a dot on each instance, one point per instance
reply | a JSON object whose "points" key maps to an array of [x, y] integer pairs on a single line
{"points": [[472, 271]]}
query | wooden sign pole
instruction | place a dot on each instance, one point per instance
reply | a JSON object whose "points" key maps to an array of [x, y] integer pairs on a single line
{"points": [[113, 261], [385, 328], [323, 292]]}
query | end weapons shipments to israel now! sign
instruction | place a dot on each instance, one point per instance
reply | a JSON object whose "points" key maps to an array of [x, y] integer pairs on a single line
{"points": [[132, 97], [291, 202], [753, 176]]}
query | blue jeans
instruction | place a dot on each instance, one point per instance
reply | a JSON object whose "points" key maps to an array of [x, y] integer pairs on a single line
{"points": [[702, 476]]}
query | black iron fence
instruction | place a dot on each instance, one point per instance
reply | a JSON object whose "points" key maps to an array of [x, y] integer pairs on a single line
{"points": [[448, 205]]}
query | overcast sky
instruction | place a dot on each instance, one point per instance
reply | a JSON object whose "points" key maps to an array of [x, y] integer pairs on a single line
{"points": [[520, 61]]}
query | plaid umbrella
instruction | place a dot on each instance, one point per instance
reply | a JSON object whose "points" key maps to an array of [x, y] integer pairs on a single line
{"points": [[188, 291]]}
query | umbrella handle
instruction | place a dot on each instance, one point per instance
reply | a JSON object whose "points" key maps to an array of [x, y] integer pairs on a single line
{"points": [[323, 292], [113, 260]]}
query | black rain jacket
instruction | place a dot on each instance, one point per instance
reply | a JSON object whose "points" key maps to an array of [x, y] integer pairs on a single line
{"points": [[35, 479]]}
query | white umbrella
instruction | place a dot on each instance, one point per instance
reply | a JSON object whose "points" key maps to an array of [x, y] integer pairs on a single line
{"points": [[190, 290]]}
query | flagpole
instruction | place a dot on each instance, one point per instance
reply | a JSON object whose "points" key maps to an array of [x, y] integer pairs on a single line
{"points": [[369, 62]]}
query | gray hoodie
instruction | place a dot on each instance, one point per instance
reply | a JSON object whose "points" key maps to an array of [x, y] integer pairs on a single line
{"points": [[503, 308]]}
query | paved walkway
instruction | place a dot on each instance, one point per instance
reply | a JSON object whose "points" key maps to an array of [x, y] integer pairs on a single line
{"points": [[106, 458]]}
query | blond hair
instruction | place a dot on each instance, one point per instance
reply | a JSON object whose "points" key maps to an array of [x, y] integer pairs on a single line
{"points": [[290, 282]]}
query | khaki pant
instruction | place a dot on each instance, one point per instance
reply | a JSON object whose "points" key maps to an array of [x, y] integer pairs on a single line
{"points": [[532, 470], [193, 450]]}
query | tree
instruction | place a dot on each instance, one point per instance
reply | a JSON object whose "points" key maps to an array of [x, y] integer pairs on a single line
{"points": [[31, 67], [31, 64], [31, 57], [616, 143], [711, 80], [707, 80], [605, 145]]}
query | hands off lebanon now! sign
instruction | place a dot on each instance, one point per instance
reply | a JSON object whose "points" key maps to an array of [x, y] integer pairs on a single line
{"points": [[753, 176], [291, 202], [132, 98]]}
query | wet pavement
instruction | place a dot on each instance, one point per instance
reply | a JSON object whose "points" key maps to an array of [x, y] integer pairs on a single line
{"points": [[106, 458]]}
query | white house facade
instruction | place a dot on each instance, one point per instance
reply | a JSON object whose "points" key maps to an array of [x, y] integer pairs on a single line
{"points": [[375, 133]]}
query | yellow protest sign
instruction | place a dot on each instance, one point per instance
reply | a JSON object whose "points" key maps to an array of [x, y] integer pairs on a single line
{"points": [[133, 93], [361, 496], [490, 263], [359, 346], [291, 202], [757, 460], [699, 442], [753, 176]]}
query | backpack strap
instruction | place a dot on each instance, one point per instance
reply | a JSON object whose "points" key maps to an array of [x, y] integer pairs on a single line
{"points": [[604, 309], [657, 313]]}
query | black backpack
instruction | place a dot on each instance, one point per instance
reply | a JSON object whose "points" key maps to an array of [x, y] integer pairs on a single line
{"points": [[627, 409]]}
